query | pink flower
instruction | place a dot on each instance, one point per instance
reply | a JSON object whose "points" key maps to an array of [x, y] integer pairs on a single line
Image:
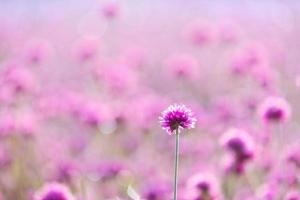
{"points": [[238, 141], [7, 124], [54, 191], [248, 59], [268, 191], [177, 117], [199, 33], [264, 75], [292, 195], [241, 145], [134, 57], [156, 190], [274, 110], [142, 111], [37, 51], [203, 186], [183, 66], [91, 113], [110, 10], [119, 78], [27, 124], [86, 48], [293, 155], [19, 78], [228, 32]]}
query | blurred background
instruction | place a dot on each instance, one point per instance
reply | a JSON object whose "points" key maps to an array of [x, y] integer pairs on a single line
{"points": [[83, 82]]}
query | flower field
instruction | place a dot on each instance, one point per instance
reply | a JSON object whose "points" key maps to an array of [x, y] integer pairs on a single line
{"points": [[94, 96]]}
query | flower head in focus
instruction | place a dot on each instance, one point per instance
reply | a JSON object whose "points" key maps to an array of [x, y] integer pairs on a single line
{"points": [[177, 116], [54, 191]]}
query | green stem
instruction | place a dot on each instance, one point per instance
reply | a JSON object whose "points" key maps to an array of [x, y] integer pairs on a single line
{"points": [[176, 165]]}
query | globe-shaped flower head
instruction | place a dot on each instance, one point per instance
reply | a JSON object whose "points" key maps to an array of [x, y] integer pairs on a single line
{"points": [[242, 147], [177, 117], [203, 186], [274, 110], [54, 191]]}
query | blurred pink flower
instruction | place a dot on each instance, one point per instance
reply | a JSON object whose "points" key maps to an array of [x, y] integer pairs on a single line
{"points": [[241, 144], [274, 110], [119, 78], [110, 10], [19, 78], [229, 32], [200, 33], [292, 195], [134, 57], [183, 66], [156, 190], [203, 186], [293, 155], [144, 109], [52, 191], [86, 48], [37, 51], [65, 172], [7, 124], [268, 191], [265, 76]]}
